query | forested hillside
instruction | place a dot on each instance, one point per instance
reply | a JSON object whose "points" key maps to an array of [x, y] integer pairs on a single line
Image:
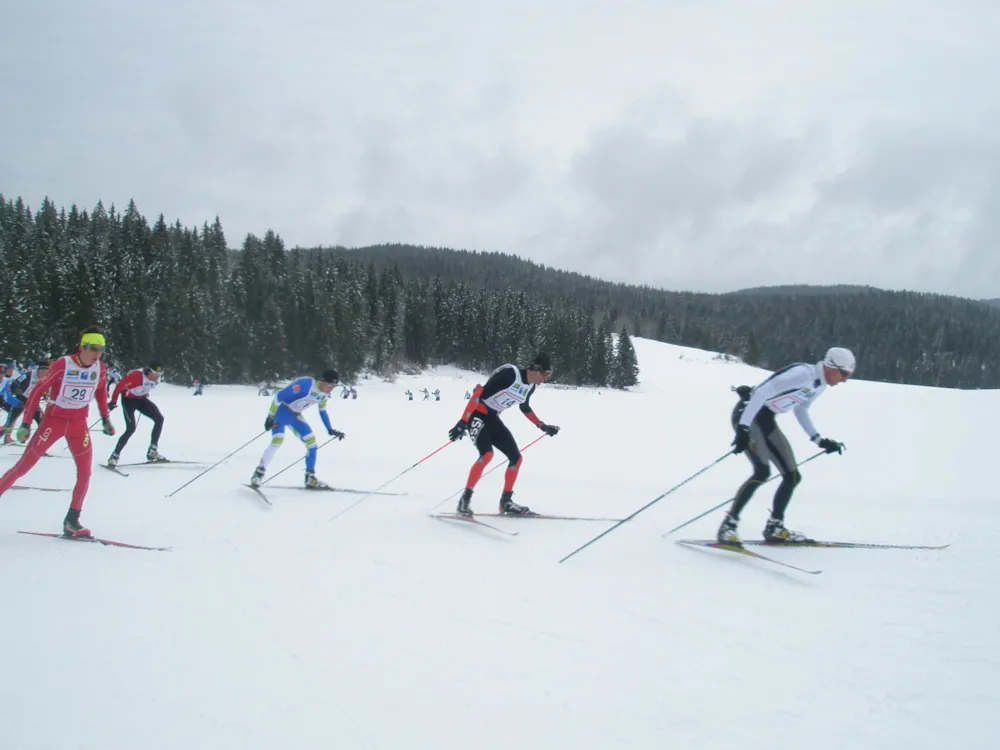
{"points": [[263, 311]]}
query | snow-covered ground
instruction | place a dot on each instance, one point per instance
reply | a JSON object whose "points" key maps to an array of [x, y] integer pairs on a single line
{"points": [[271, 627]]}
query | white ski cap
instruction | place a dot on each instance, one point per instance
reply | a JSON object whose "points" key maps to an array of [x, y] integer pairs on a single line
{"points": [[839, 358]]}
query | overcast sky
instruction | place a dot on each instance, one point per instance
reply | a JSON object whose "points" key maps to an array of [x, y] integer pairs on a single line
{"points": [[689, 144]]}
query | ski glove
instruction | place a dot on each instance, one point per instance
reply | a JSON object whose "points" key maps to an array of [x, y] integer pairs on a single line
{"points": [[458, 431], [269, 423], [112, 406], [336, 434], [549, 429], [109, 429], [23, 433], [830, 446], [742, 439]]}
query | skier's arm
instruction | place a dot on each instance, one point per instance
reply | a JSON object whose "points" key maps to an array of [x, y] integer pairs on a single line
{"points": [[324, 416], [789, 381], [53, 376], [132, 380], [497, 382], [102, 393], [529, 412], [802, 414]]}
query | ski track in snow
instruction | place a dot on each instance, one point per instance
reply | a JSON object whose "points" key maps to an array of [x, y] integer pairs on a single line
{"points": [[271, 627]]}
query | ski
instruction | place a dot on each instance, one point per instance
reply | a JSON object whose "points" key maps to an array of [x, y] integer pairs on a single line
{"points": [[260, 494], [832, 545], [331, 489], [743, 551], [114, 469], [95, 540], [40, 489], [549, 517], [472, 520], [160, 461]]}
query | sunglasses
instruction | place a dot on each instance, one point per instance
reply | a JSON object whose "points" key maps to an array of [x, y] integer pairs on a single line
{"points": [[94, 348], [845, 373]]}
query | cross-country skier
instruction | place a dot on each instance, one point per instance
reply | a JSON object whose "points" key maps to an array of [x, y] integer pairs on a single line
{"points": [[74, 381], [792, 388], [18, 391], [286, 411], [134, 390], [508, 385]]}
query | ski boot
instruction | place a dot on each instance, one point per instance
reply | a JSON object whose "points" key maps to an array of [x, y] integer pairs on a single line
{"points": [[72, 528], [8, 438], [727, 531], [312, 483], [464, 501], [113, 461], [776, 533], [258, 474], [510, 508], [154, 455]]}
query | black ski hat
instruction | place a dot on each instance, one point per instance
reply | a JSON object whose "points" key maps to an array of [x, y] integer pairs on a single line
{"points": [[541, 362], [330, 376]]}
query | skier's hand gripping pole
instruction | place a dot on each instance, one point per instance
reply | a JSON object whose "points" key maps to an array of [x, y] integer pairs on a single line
{"points": [[650, 504], [405, 471], [216, 464]]}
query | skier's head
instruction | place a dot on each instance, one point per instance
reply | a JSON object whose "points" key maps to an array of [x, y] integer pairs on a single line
{"points": [[8, 368], [154, 370], [838, 365], [540, 368], [92, 345], [42, 368], [328, 380]]}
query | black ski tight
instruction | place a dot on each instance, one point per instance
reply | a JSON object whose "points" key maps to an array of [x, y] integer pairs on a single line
{"points": [[145, 407]]}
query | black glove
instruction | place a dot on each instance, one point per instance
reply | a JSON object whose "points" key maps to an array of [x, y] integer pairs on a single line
{"points": [[109, 429], [269, 423], [336, 433], [112, 406], [549, 429], [742, 439], [830, 446], [458, 431]]}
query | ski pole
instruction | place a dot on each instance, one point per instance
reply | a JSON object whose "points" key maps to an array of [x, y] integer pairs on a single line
{"points": [[648, 505], [452, 496], [216, 464], [302, 458], [726, 502], [363, 497]]}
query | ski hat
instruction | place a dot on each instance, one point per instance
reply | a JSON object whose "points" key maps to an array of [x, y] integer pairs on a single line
{"points": [[542, 362], [839, 358], [330, 376], [155, 366], [9, 364]]}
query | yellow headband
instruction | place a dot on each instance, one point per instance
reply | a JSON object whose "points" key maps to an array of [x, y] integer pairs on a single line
{"points": [[92, 339]]}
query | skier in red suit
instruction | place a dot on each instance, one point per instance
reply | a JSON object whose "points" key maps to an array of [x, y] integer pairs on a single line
{"points": [[72, 383]]}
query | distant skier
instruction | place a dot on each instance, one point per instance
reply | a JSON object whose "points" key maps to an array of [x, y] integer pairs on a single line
{"points": [[427, 394], [134, 389], [437, 395], [345, 392], [467, 395], [114, 376], [18, 392], [792, 388], [354, 393], [286, 411], [508, 385], [74, 380], [409, 395], [199, 387]]}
